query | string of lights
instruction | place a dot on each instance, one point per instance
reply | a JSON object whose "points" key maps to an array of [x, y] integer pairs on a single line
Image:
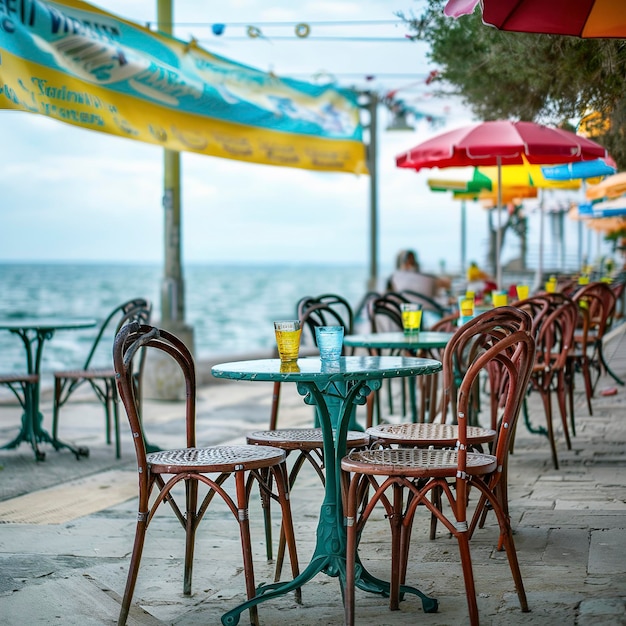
{"points": [[301, 30]]}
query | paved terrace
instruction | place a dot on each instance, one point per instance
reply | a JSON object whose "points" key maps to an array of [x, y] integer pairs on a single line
{"points": [[67, 527]]}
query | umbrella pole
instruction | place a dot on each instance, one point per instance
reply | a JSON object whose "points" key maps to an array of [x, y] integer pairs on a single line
{"points": [[499, 230], [539, 275], [463, 239]]}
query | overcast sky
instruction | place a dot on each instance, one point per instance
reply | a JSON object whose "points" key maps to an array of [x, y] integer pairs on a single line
{"points": [[71, 194]]}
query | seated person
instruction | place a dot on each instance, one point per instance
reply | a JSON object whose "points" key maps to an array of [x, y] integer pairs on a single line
{"points": [[478, 280], [408, 276]]}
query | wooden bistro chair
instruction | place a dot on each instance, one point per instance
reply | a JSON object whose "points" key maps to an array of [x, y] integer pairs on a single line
{"points": [[326, 310], [390, 473], [443, 434], [101, 379], [162, 474], [597, 301], [554, 335]]}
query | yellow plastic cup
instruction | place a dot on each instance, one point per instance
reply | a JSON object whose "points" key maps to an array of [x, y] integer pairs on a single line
{"points": [[522, 292], [467, 307], [551, 286], [499, 299]]}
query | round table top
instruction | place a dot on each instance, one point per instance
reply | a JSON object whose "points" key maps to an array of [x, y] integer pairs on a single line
{"points": [[423, 340], [46, 323], [313, 369]]}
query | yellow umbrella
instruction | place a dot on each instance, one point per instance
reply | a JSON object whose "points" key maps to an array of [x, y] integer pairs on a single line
{"points": [[524, 176]]}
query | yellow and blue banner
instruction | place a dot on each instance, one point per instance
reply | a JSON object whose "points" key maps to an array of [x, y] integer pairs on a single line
{"points": [[73, 62]]}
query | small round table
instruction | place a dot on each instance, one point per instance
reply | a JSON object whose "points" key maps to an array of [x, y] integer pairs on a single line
{"points": [[424, 340], [335, 389], [34, 333], [420, 343]]}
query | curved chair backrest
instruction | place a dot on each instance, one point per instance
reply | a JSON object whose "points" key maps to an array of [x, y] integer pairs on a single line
{"points": [[138, 309], [428, 303], [324, 310], [472, 339], [384, 312], [600, 301], [555, 331], [508, 350], [540, 305], [130, 342]]}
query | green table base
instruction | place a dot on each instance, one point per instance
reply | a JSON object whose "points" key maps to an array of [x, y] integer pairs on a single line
{"points": [[335, 402]]}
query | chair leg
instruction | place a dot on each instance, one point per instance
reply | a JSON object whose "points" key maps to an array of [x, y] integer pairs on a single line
{"points": [[398, 558], [266, 506], [506, 539], [275, 403], [56, 407], [246, 543], [547, 406], [585, 367], [468, 576], [116, 421], [191, 493], [560, 396], [286, 528], [133, 569], [351, 541], [295, 470]]}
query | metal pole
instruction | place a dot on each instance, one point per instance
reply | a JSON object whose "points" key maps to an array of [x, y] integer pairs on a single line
{"points": [[172, 288], [463, 238], [499, 231], [162, 378], [539, 275], [372, 166]]}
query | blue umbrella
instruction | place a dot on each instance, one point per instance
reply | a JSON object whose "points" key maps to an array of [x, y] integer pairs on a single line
{"points": [[578, 169], [610, 208], [569, 171]]}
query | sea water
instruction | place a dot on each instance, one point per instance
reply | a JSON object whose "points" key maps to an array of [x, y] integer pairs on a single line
{"points": [[231, 308]]}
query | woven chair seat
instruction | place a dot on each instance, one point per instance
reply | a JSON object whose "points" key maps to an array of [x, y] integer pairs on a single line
{"points": [[214, 459], [441, 435], [95, 372], [6, 379], [415, 462], [302, 438]]}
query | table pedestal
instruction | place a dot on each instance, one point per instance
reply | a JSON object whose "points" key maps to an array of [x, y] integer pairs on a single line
{"points": [[335, 402]]}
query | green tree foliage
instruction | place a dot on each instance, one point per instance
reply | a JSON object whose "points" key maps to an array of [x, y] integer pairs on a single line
{"points": [[543, 78]]}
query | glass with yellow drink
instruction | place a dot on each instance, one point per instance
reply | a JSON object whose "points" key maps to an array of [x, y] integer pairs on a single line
{"points": [[411, 317], [288, 339]]}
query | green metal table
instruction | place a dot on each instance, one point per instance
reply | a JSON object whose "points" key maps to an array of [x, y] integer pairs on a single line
{"points": [[334, 389], [34, 333], [424, 341]]}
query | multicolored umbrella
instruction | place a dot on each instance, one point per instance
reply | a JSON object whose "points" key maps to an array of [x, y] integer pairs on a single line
{"points": [[500, 143], [579, 18]]}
